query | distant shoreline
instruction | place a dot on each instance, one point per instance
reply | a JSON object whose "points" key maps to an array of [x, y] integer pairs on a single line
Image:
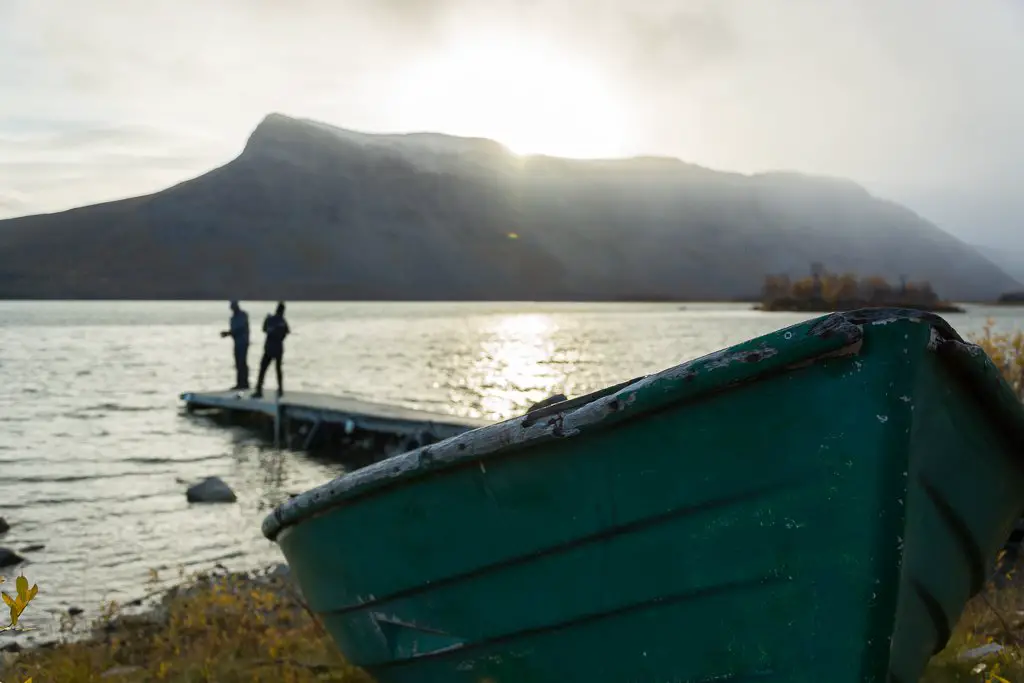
{"points": [[619, 300], [820, 306]]}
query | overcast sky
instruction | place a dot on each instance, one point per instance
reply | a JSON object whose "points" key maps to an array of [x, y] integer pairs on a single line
{"points": [[919, 100]]}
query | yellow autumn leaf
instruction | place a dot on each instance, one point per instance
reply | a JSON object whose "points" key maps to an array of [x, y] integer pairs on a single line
{"points": [[24, 595], [24, 592], [21, 583], [16, 609]]}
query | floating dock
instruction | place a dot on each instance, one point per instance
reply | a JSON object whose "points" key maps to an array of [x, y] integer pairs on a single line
{"points": [[311, 419]]}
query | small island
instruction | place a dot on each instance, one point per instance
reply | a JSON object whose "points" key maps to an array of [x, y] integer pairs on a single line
{"points": [[1011, 299], [824, 292]]}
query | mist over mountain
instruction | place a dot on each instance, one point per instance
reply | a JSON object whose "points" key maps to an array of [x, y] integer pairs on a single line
{"points": [[311, 211], [1009, 258]]}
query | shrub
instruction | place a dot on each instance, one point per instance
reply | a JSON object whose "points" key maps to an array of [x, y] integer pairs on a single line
{"points": [[1006, 349]]}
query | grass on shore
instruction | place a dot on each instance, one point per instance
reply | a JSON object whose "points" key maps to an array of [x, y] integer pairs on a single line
{"points": [[252, 628], [229, 628], [995, 616]]}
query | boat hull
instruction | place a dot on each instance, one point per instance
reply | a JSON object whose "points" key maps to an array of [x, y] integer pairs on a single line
{"points": [[815, 504]]}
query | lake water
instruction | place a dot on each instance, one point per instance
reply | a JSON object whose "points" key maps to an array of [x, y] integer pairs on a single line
{"points": [[94, 444]]}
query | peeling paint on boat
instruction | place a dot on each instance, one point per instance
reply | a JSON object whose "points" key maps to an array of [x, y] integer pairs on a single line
{"points": [[727, 359], [851, 350]]}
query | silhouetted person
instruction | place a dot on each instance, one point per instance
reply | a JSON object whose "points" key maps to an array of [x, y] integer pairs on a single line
{"points": [[276, 328], [239, 332]]}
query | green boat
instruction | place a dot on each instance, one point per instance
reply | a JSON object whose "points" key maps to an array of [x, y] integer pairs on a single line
{"points": [[816, 504]]}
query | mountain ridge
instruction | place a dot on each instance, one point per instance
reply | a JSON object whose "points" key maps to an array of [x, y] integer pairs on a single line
{"points": [[309, 210]]}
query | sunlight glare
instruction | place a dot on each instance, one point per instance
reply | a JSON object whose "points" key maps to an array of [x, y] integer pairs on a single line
{"points": [[525, 325], [513, 370], [531, 99]]}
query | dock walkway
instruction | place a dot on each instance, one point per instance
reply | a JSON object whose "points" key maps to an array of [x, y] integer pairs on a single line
{"points": [[312, 415]]}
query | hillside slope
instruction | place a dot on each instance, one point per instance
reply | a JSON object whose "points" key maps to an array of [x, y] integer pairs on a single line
{"points": [[309, 211], [1007, 257]]}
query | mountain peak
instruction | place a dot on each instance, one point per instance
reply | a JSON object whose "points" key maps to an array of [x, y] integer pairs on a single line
{"points": [[279, 129]]}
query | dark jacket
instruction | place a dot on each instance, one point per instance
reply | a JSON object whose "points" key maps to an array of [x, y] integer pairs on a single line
{"points": [[240, 328], [276, 328]]}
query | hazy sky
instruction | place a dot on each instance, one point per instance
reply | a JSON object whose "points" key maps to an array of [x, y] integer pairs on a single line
{"points": [[917, 99]]}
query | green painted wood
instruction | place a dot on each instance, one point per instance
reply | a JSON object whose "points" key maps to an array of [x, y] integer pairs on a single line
{"points": [[815, 504]]}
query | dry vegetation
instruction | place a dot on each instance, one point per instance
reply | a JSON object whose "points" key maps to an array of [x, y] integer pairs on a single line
{"points": [[227, 628], [994, 617], [1007, 351], [254, 628]]}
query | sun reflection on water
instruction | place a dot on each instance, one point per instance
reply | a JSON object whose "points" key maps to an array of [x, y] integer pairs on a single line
{"points": [[518, 364]]}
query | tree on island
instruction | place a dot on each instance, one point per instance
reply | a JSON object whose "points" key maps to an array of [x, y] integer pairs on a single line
{"points": [[825, 291]]}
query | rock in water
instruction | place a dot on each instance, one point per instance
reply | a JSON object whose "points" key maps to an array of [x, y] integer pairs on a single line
{"points": [[210, 490], [9, 558], [4, 526]]}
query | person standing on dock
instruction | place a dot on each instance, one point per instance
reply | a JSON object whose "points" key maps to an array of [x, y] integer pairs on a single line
{"points": [[276, 329], [238, 330]]}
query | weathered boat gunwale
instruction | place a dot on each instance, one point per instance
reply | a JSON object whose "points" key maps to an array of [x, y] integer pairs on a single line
{"points": [[802, 343], [969, 363], [975, 372]]}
